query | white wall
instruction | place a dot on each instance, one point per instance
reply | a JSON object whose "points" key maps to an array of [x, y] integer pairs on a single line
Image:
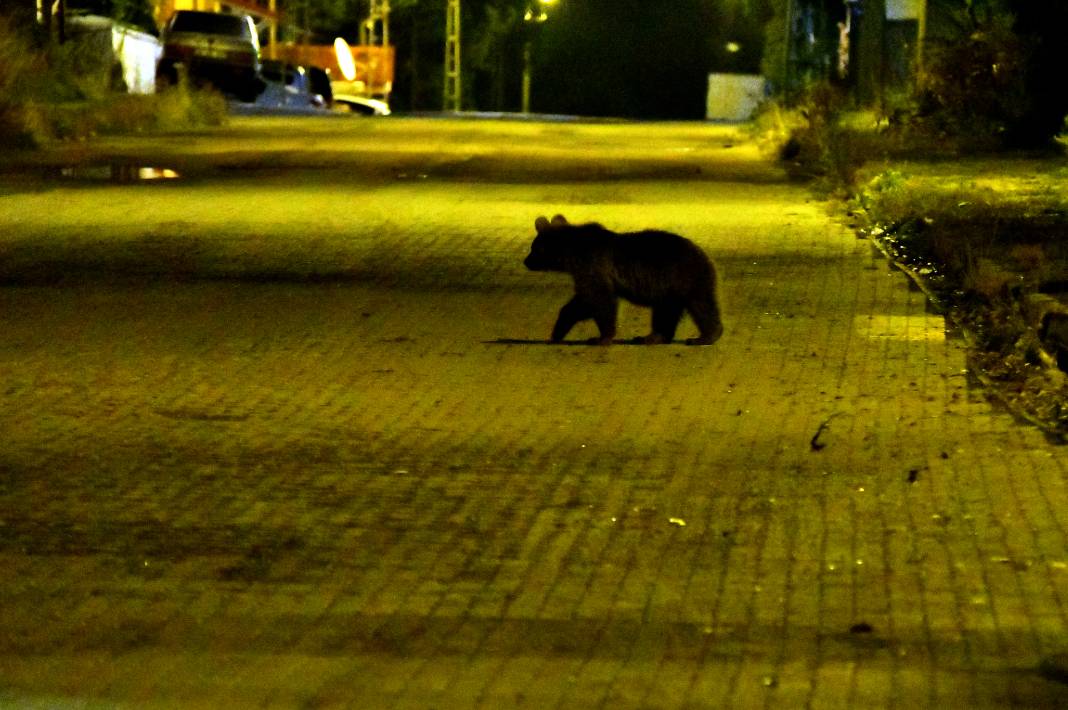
{"points": [[733, 97], [104, 42], [138, 53]]}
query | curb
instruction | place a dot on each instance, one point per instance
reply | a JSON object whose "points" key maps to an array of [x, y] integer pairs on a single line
{"points": [[990, 389]]}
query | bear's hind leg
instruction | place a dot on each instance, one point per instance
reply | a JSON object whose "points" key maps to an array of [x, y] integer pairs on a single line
{"points": [[666, 318], [705, 313]]}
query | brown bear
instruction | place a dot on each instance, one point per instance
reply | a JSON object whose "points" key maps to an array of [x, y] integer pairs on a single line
{"points": [[660, 270]]}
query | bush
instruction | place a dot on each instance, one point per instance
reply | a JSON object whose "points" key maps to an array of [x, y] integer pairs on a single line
{"points": [[995, 81], [173, 108], [19, 61], [815, 138], [972, 88], [45, 95], [1042, 26], [981, 238]]}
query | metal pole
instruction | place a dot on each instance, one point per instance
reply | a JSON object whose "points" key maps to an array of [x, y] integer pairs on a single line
{"points": [[383, 10], [784, 90], [375, 29], [452, 89], [536, 14], [921, 36], [272, 30], [526, 77]]}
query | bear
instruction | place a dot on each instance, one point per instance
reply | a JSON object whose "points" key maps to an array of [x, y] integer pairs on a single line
{"points": [[652, 268]]}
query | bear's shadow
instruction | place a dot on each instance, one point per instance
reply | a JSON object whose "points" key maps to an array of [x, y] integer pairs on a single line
{"points": [[586, 343]]}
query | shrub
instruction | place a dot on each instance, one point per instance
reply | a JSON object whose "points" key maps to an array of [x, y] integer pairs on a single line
{"points": [[992, 83], [173, 108], [817, 139], [183, 105], [46, 95], [972, 89], [19, 61], [1042, 27], [988, 279]]}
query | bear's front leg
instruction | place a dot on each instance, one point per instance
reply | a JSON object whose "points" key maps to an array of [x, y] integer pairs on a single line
{"points": [[575, 310]]}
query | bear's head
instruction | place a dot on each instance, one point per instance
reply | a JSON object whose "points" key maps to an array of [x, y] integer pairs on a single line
{"points": [[559, 243], [549, 248]]}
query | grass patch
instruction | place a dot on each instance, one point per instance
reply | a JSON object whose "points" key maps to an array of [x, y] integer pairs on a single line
{"points": [[951, 226]]}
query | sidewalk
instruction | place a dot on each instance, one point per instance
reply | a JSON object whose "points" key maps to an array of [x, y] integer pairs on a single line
{"points": [[370, 491]]}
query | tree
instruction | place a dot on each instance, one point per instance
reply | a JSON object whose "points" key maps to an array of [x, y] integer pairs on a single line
{"points": [[1042, 26], [418, 32], [491, 40], [593, 57], [494, 53], [994, 68], [324, 20], [801, 43]]}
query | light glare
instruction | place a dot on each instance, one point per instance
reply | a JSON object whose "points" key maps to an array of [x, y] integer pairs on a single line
{"points": [[344, 59]]}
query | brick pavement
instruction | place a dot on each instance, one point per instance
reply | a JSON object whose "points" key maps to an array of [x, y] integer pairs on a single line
{"points": [[367, 489]]}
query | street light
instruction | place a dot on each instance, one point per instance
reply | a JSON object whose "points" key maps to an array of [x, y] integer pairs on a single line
{"points": [[541, 15], [535, 14]]}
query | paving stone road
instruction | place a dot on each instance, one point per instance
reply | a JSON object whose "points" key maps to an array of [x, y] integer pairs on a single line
{"points": [[295, 451]]}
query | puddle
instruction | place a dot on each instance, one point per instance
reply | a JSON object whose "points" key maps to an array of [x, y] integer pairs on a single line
{"points": [[117, 173]]}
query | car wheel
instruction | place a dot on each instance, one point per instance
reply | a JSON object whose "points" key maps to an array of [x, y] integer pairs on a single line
{"points": [[251, 89]]}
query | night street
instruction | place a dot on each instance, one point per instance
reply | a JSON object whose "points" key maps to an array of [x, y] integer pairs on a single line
{"points": [[285, 430]]}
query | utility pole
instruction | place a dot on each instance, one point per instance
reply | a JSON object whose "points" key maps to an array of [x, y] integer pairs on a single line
{"points": [[787, 52], [452, 56], [374, 41], [525, 97], [370, 34], [536, 15], [272, 30]]}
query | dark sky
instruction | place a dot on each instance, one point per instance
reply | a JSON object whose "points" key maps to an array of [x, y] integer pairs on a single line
{"points": [[641, 58], [615, 58]]}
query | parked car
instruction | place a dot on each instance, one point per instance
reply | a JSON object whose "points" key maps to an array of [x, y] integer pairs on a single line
{"points": [[294, 85], [361, 105], [289, 85], [220, 49], [319, 81]]}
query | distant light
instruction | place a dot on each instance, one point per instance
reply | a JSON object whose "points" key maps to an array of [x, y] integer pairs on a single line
{"points": [[733, 47], [345, 61], [548, 2], [156, 174]]}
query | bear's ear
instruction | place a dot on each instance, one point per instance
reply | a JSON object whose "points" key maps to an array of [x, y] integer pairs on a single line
{"points": [[541, 224], [559, 221]]}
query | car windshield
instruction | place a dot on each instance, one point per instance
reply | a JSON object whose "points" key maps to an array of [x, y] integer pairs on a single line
{"points": [[210, 23]]}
